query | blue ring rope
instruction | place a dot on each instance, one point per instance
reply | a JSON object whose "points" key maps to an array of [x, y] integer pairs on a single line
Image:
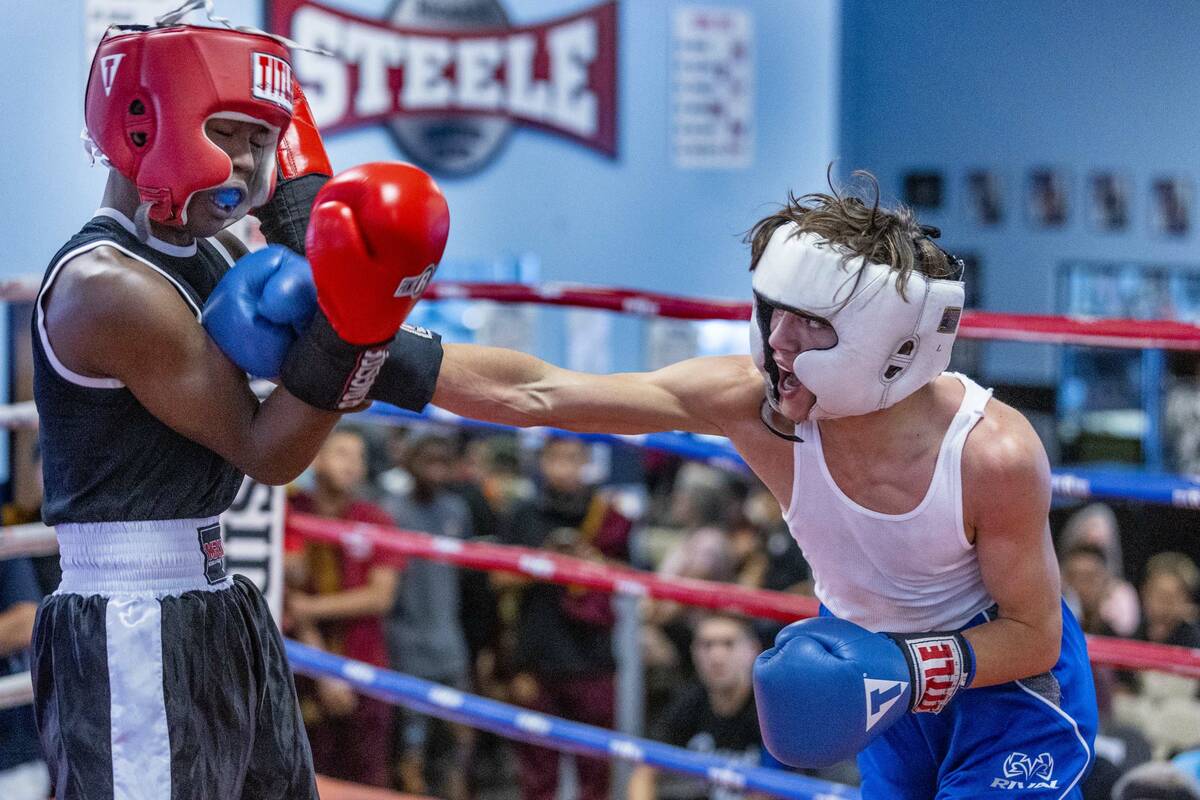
{"points": [[560, 734], [1079, 482]]}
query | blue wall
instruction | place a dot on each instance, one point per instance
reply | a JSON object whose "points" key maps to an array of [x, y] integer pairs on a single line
{"points": [[635, 221], [1009, 86]]}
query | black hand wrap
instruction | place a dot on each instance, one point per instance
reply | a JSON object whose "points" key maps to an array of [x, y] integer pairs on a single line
{"points": [[409, 376], [284, 218], [327, 372]]}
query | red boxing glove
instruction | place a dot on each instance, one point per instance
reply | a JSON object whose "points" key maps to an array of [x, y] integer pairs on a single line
{"points": [[376, 235], [303, 169], [300, 150]]}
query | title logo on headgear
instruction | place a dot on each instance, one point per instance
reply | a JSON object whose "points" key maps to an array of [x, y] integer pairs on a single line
{"points": [[108, 71], [272, 80], [452, 78]]}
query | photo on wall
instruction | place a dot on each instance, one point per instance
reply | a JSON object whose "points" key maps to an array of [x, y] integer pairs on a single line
{"points": [[985, 197], [1047, 199], [923, 189], [1108, 201], [1171, 205]]}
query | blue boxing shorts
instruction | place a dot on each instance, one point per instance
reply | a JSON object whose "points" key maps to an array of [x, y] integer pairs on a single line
{"points": [[1031, 738]]}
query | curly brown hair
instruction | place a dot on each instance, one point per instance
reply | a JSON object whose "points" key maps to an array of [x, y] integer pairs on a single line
{"points": [[865, 228]]}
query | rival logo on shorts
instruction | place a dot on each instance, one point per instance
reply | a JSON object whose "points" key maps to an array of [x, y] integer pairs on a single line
{"points": [[1022, 772], [214, 552], [369, 364], [272, 80]]}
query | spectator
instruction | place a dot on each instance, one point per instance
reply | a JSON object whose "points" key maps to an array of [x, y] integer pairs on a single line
{"points": [[714, 714], [1086, 585], [1096, 525], [23, 774], [1169, 600], [1156, 781], [503, 484], [395, 480], [340, 597], [425, 631], [564, 658], [1165, 706]]}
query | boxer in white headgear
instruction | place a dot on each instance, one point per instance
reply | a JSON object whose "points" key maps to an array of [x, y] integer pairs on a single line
{"points": [[891, 336], [920, 503]]}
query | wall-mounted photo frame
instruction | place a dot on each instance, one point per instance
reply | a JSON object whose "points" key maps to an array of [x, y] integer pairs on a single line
{"points": [[923, 189], [1171, 205], [984, 195], [1108, 201], [1047, 197]]}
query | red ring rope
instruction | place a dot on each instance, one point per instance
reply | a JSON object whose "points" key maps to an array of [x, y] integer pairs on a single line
{"points": [[984, 325], [393, 545]]}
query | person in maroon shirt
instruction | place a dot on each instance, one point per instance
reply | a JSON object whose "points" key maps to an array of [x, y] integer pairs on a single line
{"points": [[337, 598]]}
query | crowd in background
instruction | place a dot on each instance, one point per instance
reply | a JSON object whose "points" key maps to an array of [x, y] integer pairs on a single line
{"points": [[551, 648]]}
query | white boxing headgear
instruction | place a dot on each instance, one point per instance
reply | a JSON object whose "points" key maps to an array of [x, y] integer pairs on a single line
{"points": [[889, 344]]}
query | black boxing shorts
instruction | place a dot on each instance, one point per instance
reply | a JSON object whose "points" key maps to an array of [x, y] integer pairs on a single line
{"points": [[159, 677]]}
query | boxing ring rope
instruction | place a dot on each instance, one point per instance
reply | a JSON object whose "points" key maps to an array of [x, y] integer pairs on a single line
{"points": [[513, 722], [1077, 482], [392, 545], [983, 325], [395, 545]]}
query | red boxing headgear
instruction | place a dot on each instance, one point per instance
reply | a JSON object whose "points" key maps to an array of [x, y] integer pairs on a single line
{"points": [[152, 89]]}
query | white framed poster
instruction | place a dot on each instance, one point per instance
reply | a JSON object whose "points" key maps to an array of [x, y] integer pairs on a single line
{"points": [[712, 87]]}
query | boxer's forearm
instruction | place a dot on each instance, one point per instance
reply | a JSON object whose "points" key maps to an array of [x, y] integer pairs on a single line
{"points": [[513, 388], [1008, 649]]}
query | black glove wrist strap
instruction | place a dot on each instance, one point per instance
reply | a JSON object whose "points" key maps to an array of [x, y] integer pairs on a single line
{"points": [[327, 372]]}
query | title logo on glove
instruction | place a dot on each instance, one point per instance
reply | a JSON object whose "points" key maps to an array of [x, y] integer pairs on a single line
{"points": [[450, 78]]}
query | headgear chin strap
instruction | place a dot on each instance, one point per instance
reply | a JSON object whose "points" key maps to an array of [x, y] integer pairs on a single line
{"points": [[888, 345], [150, 92]]}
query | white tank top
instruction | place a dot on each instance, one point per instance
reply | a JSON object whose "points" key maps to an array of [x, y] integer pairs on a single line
{"points": [[904, 573]]}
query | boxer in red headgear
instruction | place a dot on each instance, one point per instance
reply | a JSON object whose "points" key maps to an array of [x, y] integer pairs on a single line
{"points": [[156, 673]]}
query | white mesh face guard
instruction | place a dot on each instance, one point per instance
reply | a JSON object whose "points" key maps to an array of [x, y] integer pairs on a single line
{"points": [[888, 345]]}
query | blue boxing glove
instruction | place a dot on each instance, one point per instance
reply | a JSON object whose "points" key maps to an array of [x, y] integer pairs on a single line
{"points": [[828, 686], [260, 307]]}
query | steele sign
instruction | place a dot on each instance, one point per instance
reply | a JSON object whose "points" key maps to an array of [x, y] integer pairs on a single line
{"points": [[452, 78]]}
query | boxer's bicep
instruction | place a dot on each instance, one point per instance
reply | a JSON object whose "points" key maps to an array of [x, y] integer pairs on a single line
{"points": [[1007, 485]]}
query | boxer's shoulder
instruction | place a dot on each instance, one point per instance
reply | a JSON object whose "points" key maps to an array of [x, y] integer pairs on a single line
{"points": [[102, 296], [1003, 464], [107, 282]]}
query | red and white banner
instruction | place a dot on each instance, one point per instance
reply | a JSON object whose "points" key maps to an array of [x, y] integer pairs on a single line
{"points": [[450, 85]]}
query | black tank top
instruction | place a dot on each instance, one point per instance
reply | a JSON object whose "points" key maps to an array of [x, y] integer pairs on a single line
{"points": [[105, 458]]}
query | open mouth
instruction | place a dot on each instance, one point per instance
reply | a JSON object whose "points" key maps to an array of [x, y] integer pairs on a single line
{"points": [[787, 385]]}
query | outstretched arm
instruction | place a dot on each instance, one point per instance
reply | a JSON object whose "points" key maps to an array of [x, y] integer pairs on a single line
{"points": [[512, 388]]}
